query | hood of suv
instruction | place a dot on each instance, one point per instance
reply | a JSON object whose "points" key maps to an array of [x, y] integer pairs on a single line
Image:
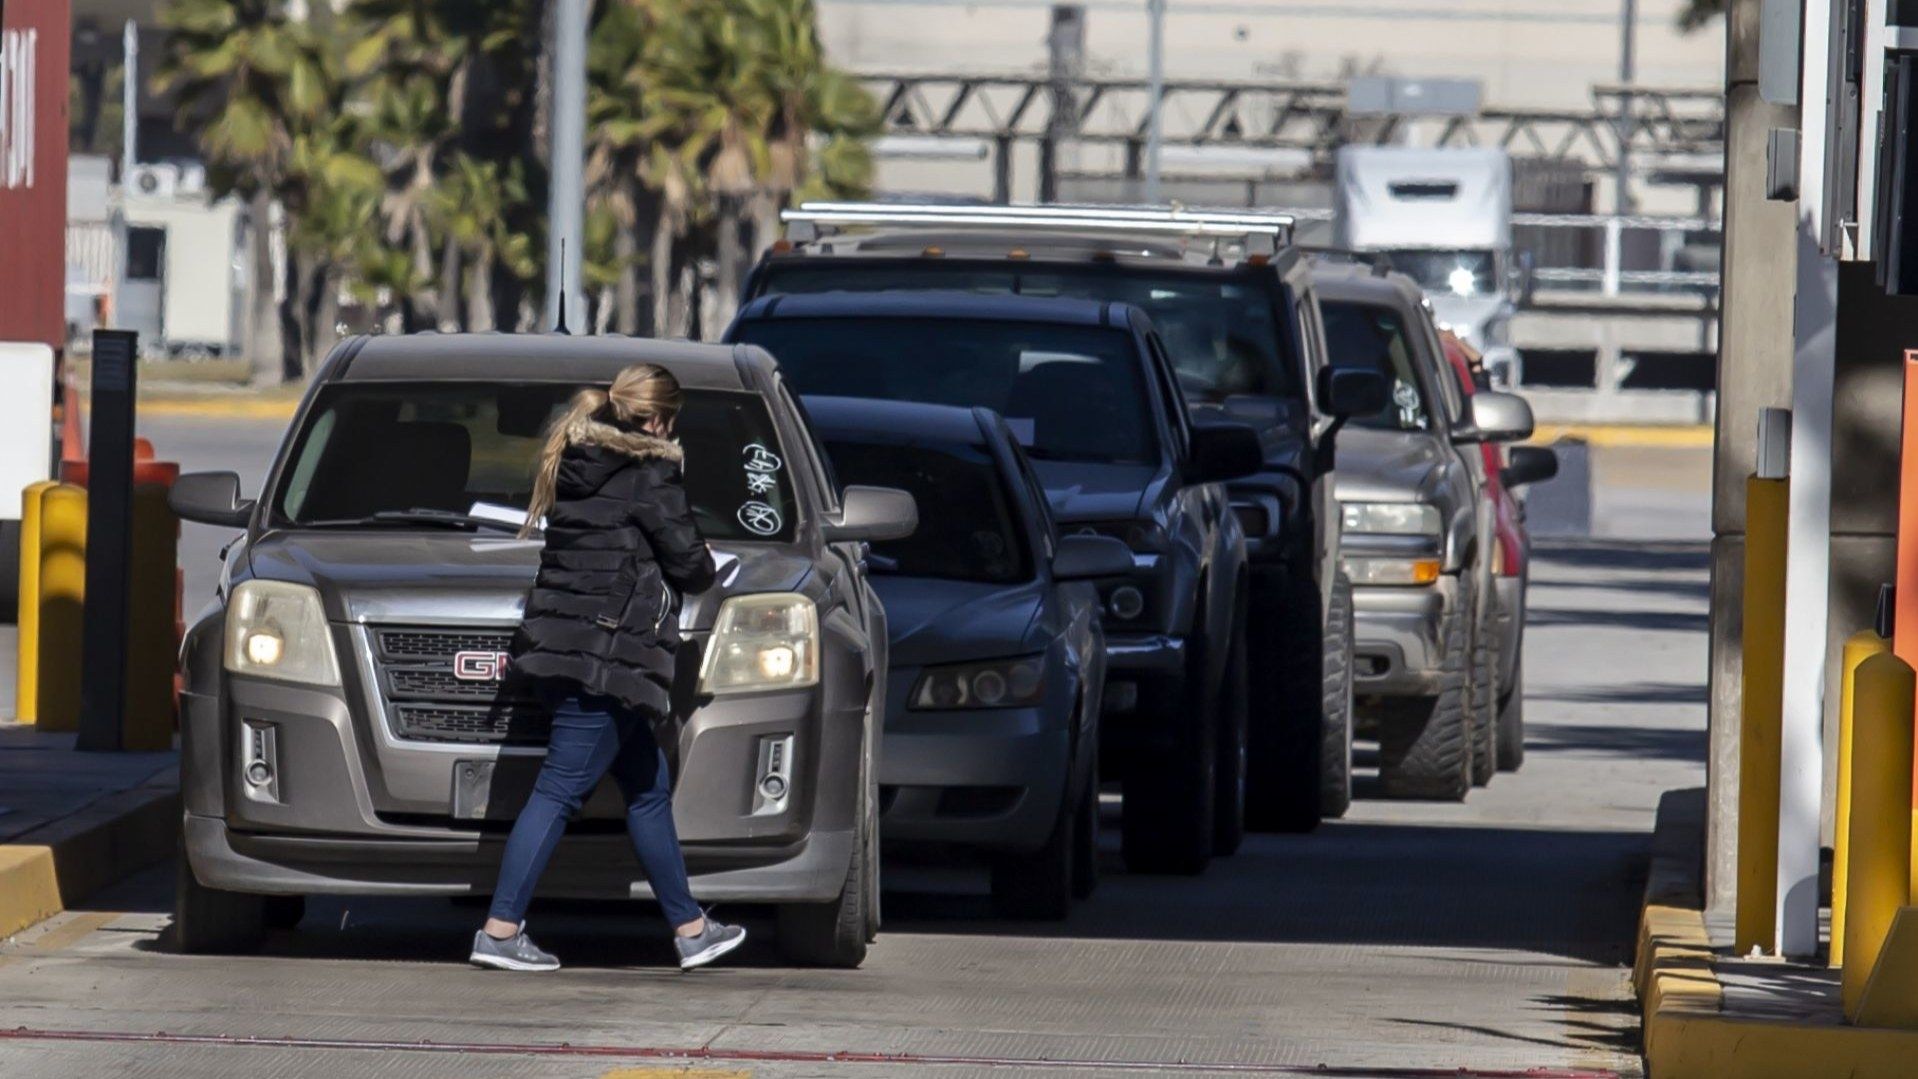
{"points": [[935, 621], [464, 578], [1083, 491], [1387, 466]]}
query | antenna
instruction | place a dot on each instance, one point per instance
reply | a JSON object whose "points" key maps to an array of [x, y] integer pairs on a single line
{"points": [[559, 311]]}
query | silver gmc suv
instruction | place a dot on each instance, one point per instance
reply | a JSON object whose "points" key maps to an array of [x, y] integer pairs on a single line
{"points": [[345, 725]]}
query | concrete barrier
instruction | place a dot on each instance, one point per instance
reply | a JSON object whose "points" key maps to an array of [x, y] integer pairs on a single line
{"points": [[1879, 850], [1860, 647], [56, 645]]}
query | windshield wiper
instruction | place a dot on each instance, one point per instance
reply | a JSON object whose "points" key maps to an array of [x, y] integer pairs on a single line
{"points": [[421, 516]]}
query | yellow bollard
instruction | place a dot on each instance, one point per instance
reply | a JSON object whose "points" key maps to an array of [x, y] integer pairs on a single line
{"points": [[1859, 647], [1880, 827], [147, 722], [63, 582], [1761, 719], [26, 677]]}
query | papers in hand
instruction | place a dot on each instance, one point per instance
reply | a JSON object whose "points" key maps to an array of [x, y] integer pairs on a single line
{"points": [[493, 511]]}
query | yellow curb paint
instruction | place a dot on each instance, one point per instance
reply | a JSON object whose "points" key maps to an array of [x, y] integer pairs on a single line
{"points": [[1606, 436], [219, 408], [29, 887], [76, 928]]}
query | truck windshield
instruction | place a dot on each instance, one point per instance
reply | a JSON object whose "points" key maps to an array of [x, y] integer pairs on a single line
{"points": [[967, 527], [1448, 273], [1071, 393], [1220, 329], [1372, 337], [410, 450]]}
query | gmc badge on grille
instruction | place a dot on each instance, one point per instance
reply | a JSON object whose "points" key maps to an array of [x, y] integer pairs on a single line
{"points": [[480, 666]]}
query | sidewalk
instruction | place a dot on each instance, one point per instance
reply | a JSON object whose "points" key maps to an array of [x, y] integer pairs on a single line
{"points": [[1711, 1014], [72, 823]]}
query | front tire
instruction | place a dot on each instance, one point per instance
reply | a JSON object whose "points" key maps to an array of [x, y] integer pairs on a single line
{"points": [[1335, 766], [209, 921], [1288, 720], [1425, 743], [1167, 823], [1085, 848], [1484, 703], [1229, 772], [1038, 886], [1511, 722], [836, 933]]}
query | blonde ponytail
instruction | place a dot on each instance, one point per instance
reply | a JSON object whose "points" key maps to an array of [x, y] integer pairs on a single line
{"points": [[638, 393]]}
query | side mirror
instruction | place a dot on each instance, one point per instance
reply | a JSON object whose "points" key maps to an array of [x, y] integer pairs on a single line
{"points": [[1223, 451], [1499, 417], [210, 498], [1528, 464], [1083, 557], [872, 513], [1345, 392]]}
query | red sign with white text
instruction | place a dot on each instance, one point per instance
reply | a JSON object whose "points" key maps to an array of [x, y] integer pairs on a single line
{"points": [[34, 50]]}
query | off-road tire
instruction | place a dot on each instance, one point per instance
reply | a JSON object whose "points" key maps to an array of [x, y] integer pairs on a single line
{"points": [[209, 921], [1230, 772], [1511, 722], [1425, 744], [1335, 766], [1166, 826], [835, 933], [1286, 723], [1484, 700], [1038, 886], [1085, 839]]}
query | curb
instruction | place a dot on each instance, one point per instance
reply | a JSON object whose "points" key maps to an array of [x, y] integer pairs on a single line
{"points": [[60, 864], [1686, 1034]]}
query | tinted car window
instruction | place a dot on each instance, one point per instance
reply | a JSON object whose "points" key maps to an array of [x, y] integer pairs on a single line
{"points": [[968, 529], [1219, 329], [376, 447], [1369, 336], [1071, 393]]}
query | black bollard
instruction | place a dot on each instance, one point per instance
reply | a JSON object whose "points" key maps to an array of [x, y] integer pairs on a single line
{"points": [[103, 663]]}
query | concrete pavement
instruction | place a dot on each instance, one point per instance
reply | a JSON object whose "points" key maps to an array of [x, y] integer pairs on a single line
{"points": [[1491, 936]]}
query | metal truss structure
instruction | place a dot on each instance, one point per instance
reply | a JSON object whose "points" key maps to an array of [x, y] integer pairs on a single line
{"points": [[1654, 126]]}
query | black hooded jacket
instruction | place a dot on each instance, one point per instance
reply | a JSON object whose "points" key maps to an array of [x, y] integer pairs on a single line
{"points": [[600, 618]]}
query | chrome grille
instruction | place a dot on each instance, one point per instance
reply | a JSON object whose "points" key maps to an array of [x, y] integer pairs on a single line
{"points": [[426, 702]]}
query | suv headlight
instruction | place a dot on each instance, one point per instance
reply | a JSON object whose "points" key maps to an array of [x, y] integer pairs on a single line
{"points": [[1405, 571], [1390, 518], [276, 629], [764, 641], [1003, 683]]}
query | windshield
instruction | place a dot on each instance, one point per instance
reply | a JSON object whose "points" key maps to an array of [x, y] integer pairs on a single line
{"points": [[1371, 337], [968, 530], [1219, 329], [1071, 393], [1449, 273], [369, 448]]}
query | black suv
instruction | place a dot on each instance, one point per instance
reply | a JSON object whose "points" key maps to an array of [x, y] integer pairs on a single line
{"points": [[1086, 386], [1233, 300]]}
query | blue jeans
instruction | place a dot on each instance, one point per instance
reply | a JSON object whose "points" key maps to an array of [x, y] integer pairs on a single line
{"points": [[591, 735]]}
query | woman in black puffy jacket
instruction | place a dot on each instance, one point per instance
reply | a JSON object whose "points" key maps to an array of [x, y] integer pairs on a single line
{"points": [[598, 640]]}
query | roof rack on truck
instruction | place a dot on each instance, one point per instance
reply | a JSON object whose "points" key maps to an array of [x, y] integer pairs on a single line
{"points": [[1256, 233]]}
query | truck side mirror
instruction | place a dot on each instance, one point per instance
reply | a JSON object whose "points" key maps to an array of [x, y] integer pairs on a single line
{"points": [[1223, 451], [872, 513], [1498, 417], [1345, 392], [210, 498]]}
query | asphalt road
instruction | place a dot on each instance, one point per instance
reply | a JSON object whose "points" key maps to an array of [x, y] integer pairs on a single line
{"points": [[1407, 939]]}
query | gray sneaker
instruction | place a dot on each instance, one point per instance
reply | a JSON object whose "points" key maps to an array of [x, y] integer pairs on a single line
{"points": [[517, 952], [717, 940]]}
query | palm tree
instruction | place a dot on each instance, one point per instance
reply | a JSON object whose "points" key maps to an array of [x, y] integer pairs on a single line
{"points": [[257, 81]]}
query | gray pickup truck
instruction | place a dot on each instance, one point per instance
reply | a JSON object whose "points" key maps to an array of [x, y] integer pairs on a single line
{"points": [[1419, 540], [345, 726]]}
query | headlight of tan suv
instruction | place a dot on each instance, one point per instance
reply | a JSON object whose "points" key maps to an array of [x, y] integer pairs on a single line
{"points": [[760, 642], [276, 629], [1390, 519]]}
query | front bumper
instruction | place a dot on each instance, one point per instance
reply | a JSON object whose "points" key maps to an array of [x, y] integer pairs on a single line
{"points": [[991, 779], [584, 866], [1398, 648]]}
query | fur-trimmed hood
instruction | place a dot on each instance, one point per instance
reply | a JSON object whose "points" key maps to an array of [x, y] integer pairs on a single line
{"points": [[637, 445]]}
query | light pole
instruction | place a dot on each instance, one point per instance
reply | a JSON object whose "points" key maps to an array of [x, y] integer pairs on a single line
{"points": [[1627, 74], [566, 202], [1155, 75]]}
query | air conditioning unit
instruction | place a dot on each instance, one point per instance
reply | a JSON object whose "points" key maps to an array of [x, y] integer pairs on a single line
{"points": [[154, 181], [192, 179]]}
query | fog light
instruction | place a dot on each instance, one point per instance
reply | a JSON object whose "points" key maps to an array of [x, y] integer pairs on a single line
{"points": [[773, 787], [258, 774], [1126, 603]]}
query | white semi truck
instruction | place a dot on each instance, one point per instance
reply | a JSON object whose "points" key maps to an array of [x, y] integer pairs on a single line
{"points": [[1443, 217]]}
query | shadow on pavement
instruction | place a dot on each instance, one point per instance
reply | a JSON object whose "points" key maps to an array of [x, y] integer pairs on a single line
{"points": [[1638, 743], [1620, 554], [1667, 621], [1627, 693]]}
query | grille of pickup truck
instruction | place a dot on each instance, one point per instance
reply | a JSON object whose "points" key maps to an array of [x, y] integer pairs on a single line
{"points": [[427, 700]]}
